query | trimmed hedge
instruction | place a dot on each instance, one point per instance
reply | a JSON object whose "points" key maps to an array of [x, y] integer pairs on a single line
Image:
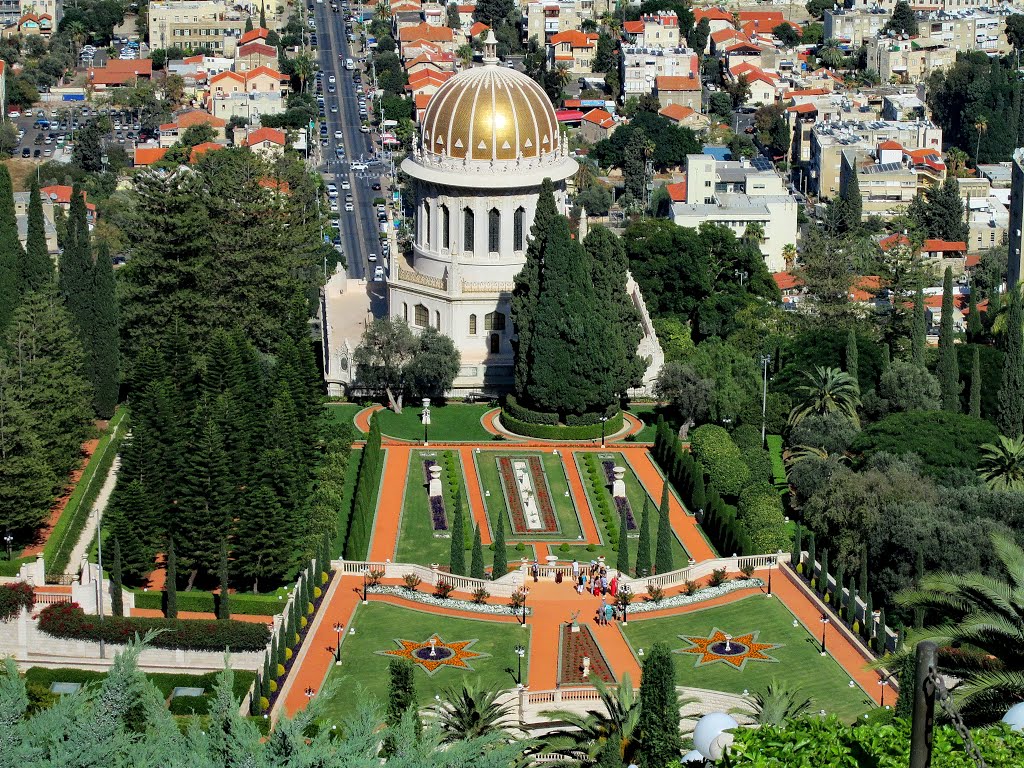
{"points": [[206, 602], [722, 460], [762, 520], [69, 621], [548, 432], [522, 413]]}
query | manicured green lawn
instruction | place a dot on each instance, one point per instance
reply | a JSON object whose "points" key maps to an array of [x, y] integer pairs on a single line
{"points": [[343, 412], [363, 673], [448, 423], [775, 452], [636, 495], [565, 510], [647, 413], [799, 664], [416, 540]]}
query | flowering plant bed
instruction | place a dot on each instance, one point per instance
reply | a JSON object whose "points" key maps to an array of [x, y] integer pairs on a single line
{"points": [[574, 646], [448, 602], [517, 516], [622, 504], [437, 512], [14, 597], [700, 595]]}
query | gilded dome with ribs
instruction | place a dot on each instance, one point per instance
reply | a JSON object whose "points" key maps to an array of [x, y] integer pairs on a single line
{"points": [[490, 113]]}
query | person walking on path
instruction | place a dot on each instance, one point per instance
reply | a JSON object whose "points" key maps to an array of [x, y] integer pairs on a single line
{"points": [[535, 570], [575, 571], [613, 586], [609, 612]]}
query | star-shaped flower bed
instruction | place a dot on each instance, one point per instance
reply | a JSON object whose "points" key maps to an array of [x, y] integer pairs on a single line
{"points": [[431, 658], [732, 650]]}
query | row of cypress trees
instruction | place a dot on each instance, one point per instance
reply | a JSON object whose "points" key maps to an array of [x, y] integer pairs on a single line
{"points": [[359, 529]]}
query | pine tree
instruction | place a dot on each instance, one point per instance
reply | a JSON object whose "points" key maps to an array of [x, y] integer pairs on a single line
{"points": [[248, 24], [622, 555], [37, 267], [659, 709], [919, 332], [457, 557], [11, 255], [205, 502], [116, 583], [852, 366], [171, 582], [476, 566], [499, 566], [643, 545], [526, 289], [975, 330], [975, 399], [224, 601], [267, 535], [663, 550], [1010, 419], [104, 354], [948, 370]]}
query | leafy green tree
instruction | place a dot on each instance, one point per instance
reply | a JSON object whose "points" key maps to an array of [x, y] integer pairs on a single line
{"points": [[87, 153], [697, 39], [787, 34], [457, 555], [948, 370], [663, 550], [476, 567], [634, 164], [660, 742], [762, 521], [605, 56], [11, 254], [499, 566], [37, 267], [434, 365], [1010, 418]]}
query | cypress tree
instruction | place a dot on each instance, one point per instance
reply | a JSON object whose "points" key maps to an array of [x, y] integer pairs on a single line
{"points": [[823, 581], [838, 600], [659, 709], [263, 16], [476, 567], [171, 584], [995, 305], [75, 276], [880, 633], [948, 369], [854, 203], [864, 568], [248, 24], [401, 699], [811, 555], [254, 698], [797, 554], [851, 601], [37, 267], [852, 358], [663, 551], [499, 567], [886, 357], [975, 399], [526, 288], [11, 254], [868, 618], [975, 330], [919, 331], [223, 604], [457, 555], [622, 555], [643, 545], [698, 496], [1010, 419], [103, 364], [267, 672], [116, 584]]}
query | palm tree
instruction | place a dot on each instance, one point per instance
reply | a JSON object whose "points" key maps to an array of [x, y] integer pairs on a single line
{"points": [[564, 74], [828, 390], [830, 54], [1002, 464], [789, 254], [468, 713], [382, 11], [754, 232], [465, 54], [956, 159], [776, 705], [981, 126], [303, 66], [586, 734], [983, 619]]}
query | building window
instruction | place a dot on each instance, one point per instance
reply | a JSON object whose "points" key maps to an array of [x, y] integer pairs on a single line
{"points": [[494, 321], [426, 224], [437, 320], [493, 230], [405, 312], [472, 325], [468, 229], [495, 346], [422, 316], [518, 229], [445, 227]]}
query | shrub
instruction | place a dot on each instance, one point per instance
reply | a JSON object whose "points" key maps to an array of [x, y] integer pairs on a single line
{"points": [[520, 547], [655, 594], [761, 519], [518, 599], [189, 705], [942, 439], [721, 458], [442, 589], [288, 653], [718, 577], [206, 602], [480, 595], [14, 597], [554, 432], [317, 593], [279, 670], [524, 414], [68, 620], [411, 580], [747, 570], [273, 686], [374, 576], [691, 587], [265, 702]]}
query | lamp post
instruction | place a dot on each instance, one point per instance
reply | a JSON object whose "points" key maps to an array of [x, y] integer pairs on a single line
{"points": [[772, 562], [604, 420], [526, 593], [824, 623], [520, 652], [366, 573], [339, 628], [426, 419], [765, 362], [7, 540], [99, 581], [882, 683]]}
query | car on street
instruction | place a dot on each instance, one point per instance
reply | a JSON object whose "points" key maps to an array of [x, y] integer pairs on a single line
{"points": [[375, 187], [331, 89], [378, 273], [26, 152], [334, 109], [364, 128], [345, 184], [338, 135], [360, 167], [349, 207], [332, 79]]}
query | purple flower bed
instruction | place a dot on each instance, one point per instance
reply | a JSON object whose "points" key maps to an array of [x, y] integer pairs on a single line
{"points": [[621, 503], [437, 513]]}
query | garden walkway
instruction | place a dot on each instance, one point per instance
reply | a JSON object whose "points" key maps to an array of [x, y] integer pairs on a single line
{"points": [[490, 423], [389, 503]]}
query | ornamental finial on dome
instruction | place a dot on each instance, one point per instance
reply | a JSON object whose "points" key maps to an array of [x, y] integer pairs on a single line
{"points": [[490, 48]]}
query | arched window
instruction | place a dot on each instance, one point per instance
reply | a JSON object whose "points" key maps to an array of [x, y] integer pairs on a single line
{"points": [[422, 316], [426, 224], [495, 343], [494, 321], [468, 229], [445, 227], [519, 229], [493, 230], [472, 325]]}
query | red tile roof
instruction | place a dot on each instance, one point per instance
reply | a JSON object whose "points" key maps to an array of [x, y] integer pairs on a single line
{"points": [[676, 112], [61, 194], [477, 28], [260, 33], [677, 83], [972, 260], [256, 49], [865, 288], [633, 27], [149, 155], [273, 135], [677, 191], [890, 144], [600, 117], [786, 281], [944, 246], [427, 32], [711, 14], [802, 108], [201, 149], [763, 21], [575, 38], [892, 241]]}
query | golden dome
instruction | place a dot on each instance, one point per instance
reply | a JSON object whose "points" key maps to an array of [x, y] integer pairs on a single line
{"points": [[490, 113]]}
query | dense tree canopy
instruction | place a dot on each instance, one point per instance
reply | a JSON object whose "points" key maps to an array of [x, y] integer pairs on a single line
{"points": [[672, 143]]}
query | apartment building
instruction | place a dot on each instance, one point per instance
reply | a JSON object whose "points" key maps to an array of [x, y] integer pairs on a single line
{"points": [[196, 24], [854, 25], [908, 60], [542, 19], [641, 67], [654, 30]]}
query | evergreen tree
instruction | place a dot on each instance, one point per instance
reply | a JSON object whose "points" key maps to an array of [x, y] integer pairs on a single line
{"points": [[643, 545], [659, 709], [903, 21], [457, 555], [171, 582], [919, 332], [948, 370], [401, 699], [853, 203], [975, 329], [851, 601], [880, 633], [838, 600], [622, 555], [499, 567], [11, 255], [797, 553], [263, 16], [852, 366], [248, 24], [1010, 419], [663, 551], [823, 581], [609, 755], [868, 618], [224, 601], [975, 399], [266, 555], [476, 567], [129, 518], [864, 568], [116, 583], [698, 496], [75, 276], [104, 352], [206, 502], [526, 290], [37, 267], [811, 556]]}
